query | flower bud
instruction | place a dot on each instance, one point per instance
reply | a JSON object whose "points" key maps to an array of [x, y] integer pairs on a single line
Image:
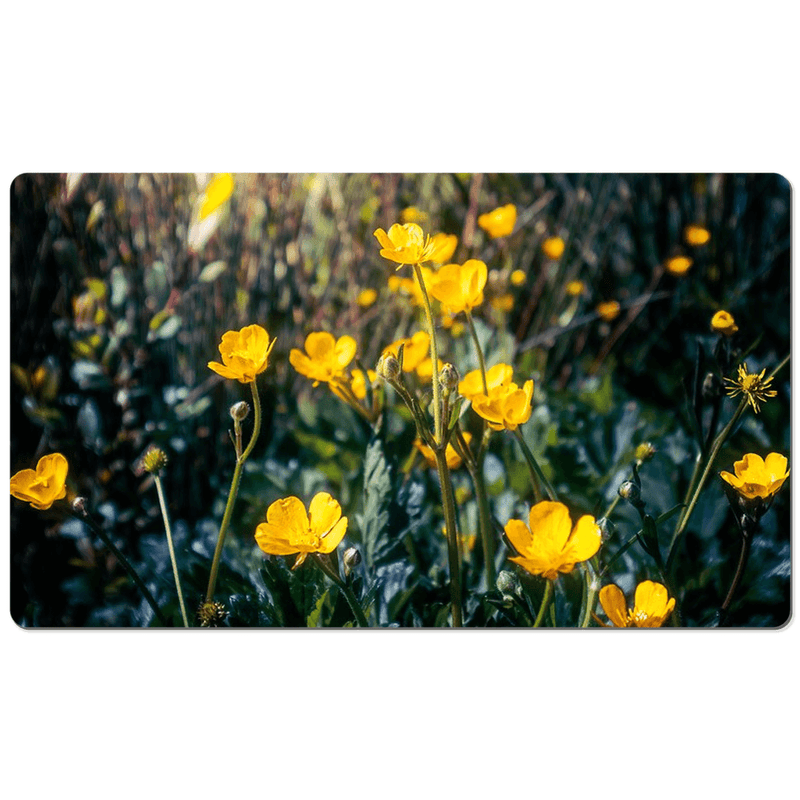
{"points": [[388, 367], [630, 491], [351, 559], [508, 585], [723, 322], [644, 452], [607, 528], [712, 386], [448, 378], [239, 411], [154, 460], [79, 505]]}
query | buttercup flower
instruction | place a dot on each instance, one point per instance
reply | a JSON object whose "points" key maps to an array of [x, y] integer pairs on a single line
{"points": [[695, 235], [405, 244], [652, 605], [503, 302], [754, 387], [358, 383], [553, 247], [472, 384], [549, 544], [217, 192], [366, 298], [444, 245], [518, 277], [499, 222], [244, 354], [325, 359], [722, 322], [453, 458], [459, 287], [290, 530], [575, 288], [413, 214], [506, 406], [415, 350], [679, 265], [44, 485], [609, 310], [758, 477], [424, 369]]}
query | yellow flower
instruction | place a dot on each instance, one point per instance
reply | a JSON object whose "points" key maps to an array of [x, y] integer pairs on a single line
{"points": [[679, 265], [459, 287], [752, 386], [652, 605], [290, 530], [472, 384], [695, 235], [608, 310], [358, 383], [405, 244], [217, 192], [366, 298], [722, 322], [518, 277], [453, 458], [549, 544], [325, 359], [503, 302], [413, 214], [553, 247], [244, 354], [758, 477], [499, 222], [410, 286], [424, 369], [576, 288], [44, 485], [415, 350], [506, 406], [444, 245]]}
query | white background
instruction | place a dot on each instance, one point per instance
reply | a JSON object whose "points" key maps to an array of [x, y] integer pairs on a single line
{"points": [[602, 87]]}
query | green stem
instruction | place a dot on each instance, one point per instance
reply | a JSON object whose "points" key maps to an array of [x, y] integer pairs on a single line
{"points": [[485, 524], [453, 556], [84, 517], [718, 442], [322, 562], [237, 475], [533, 466], [591, 596], [437, 403], [548, 596], [165, 516], [478, 350]]}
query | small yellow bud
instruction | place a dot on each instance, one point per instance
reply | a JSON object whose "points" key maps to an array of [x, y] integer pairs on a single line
{"points": [[723, 322]]}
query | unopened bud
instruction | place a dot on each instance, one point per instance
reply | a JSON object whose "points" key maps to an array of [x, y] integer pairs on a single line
{"points": [[79, 505], [644, 452], [240, 410], [154, 460], [388, 367], [508, 585], [351, 559], [630, 491], [607, 528], [712, 386], [448, 378]]}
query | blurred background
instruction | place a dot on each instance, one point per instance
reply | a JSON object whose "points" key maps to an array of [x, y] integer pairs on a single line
{"points": [[122, 286]]}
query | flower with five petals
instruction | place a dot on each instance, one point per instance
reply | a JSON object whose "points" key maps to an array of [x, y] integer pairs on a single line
{"points": [[652, 605], [506, 406], [405, 244], [325, 359], [758, 477], [500, 222], [459, 287], [44, 485], [244, 354]]}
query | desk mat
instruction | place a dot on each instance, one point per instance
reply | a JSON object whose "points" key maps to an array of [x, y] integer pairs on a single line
{"points": [[400, 400]]}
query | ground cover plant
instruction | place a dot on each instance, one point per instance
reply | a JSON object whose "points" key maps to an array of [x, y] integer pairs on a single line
{"points": [[400, 400]]}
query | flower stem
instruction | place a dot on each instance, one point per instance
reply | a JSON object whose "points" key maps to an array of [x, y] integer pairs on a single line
{"points": [[743, 554], [453, 557], [165, 516], [591, 596], [84, 517], [485, 523], [533, 466], [478, 350], [546, 599], [322, 562], [437, 403], [237, 475], [684, 521]]}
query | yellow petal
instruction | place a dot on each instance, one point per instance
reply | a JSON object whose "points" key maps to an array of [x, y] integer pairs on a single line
{"points": [[550, 524], [586, 539], [320, 345], [272, 540], [323, 513], [519, 535], [334, 537], [775, 465], [613, 602], [345, 351], [290, 514]]}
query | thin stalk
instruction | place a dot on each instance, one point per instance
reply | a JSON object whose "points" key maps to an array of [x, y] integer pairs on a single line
{"points": [[437, 402], [546, 599], [84, 516], [718, 442], [322, 562], [533, 465], [453, 556], [591, 597], [165, 516], [743, 554], [237, 475], [478, 350], [485, 523]]}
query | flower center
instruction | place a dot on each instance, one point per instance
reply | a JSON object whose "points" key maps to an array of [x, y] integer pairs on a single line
{"points": [[306, 541]]}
